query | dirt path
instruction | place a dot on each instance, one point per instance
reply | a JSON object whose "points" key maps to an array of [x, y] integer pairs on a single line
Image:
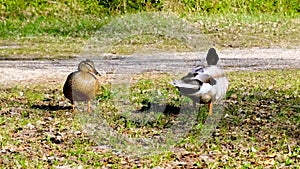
{"points": [[55, 71]]}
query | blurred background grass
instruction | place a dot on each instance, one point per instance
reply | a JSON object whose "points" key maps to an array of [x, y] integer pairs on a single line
{"points": [[81, 18], [228, 23]]}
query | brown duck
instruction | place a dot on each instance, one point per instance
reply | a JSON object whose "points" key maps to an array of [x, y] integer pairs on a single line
{"points": [[82, 85]]}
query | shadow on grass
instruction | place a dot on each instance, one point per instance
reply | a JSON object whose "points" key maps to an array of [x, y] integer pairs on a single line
{"points": [[51, 107], [165, 109], [138, 118]]}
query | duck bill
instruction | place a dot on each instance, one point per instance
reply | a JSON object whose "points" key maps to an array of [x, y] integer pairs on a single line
{"points": [[94, 71]]}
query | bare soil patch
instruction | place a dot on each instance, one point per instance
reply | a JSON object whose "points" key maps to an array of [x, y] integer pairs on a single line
{"points": [[13, 72]]}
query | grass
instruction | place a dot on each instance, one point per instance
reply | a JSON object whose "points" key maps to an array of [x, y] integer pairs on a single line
{"points": [[246, 31], [260, 128], [52, 38], [41, 47], [60, 30]]}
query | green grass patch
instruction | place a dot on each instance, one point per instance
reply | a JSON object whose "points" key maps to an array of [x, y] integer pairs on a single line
{"points": [[46, 30], [245, 31], [68, 37], [41, 47]]}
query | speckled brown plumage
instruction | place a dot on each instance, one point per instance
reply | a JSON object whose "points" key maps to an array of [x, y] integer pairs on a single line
{"points": [[82, 85]]}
